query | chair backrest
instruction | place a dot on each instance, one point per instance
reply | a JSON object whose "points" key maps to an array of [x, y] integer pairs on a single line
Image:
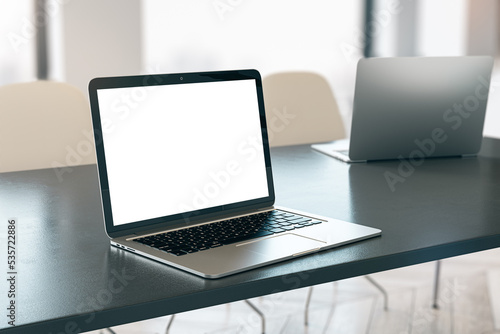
{"points": [[44, 124], [301, 109]]}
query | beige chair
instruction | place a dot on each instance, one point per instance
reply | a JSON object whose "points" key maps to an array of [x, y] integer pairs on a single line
{"points": [[44, 124], [300, 109]]}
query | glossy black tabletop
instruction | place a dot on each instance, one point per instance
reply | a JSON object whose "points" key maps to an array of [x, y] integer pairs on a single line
{"points": [[70, 280]]}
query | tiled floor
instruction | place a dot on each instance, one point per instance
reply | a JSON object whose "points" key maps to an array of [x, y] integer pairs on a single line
{"points": [[469, 293]]}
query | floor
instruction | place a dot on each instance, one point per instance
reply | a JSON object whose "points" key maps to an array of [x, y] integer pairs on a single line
{"points": [[469, 302]]}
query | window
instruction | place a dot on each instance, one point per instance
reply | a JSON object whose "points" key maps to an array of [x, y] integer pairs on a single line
{"points": [[17, 47], [271, 36]]}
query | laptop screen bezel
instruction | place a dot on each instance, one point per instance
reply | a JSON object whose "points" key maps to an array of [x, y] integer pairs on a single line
{"points": [[168, 79]]}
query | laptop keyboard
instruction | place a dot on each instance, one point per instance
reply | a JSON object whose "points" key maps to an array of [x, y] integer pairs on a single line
{"points": [[225, 232]]}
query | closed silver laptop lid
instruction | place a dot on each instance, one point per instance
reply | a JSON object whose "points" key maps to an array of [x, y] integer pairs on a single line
{"points": [[419, 107]]}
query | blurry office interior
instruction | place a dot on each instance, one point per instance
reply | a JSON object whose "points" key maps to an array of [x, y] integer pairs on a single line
{"points": [[76, 40]]}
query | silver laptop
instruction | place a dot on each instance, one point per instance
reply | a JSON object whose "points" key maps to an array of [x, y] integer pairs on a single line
{"points": [[416, 108], [185, 175]]}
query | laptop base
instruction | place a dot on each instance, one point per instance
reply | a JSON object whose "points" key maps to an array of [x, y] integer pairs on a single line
{"points": [[242, 256], [337, 149]]}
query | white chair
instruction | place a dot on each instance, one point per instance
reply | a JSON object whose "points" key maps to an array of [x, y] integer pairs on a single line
{"points": [[44, 124], [300, 109]]}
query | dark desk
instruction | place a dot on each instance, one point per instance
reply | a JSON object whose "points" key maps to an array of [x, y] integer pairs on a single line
{"points": [[71, 280]]}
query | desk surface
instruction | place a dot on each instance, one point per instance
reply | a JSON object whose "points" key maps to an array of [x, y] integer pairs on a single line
{"points": [[71, 280]]}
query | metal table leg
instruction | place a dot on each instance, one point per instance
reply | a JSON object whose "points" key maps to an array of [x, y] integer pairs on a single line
{"points": [[261, 315], [435, 295], [308, 301], [381, 289], [170, 324]]}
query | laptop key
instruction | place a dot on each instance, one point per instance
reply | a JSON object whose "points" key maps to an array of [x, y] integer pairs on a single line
{"points": [[274, 213], [159, 244], [300, 221], [247, 237], [177, 252], [170, 248], [296, 218]]}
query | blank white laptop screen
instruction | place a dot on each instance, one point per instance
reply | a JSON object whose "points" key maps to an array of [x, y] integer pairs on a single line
{"points": [[177, 148]]}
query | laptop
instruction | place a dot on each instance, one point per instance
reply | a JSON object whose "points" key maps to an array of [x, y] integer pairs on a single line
{"points": [[185, 175], [416, 108]]}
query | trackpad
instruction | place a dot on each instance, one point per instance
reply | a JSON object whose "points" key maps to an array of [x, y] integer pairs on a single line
{"points": [[283, 245]]}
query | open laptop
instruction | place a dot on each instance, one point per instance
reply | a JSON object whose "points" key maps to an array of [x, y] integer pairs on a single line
{"points": [[415, 108], [185, 175]]}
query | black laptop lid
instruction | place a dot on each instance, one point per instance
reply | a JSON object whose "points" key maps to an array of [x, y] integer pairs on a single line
{"points": [[178, 147]]}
